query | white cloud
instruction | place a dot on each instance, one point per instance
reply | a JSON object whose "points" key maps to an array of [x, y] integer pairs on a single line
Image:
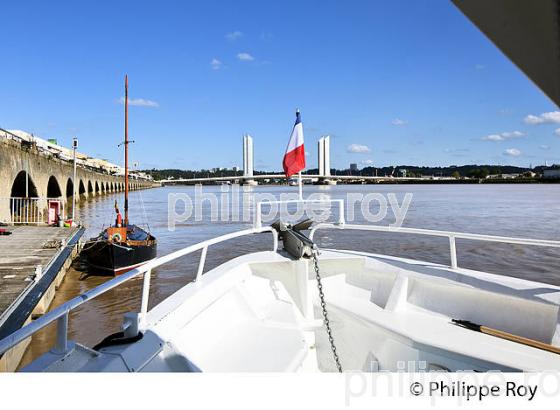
{"points": [[367, 162], [216, 64], [398, 121], [512, 152], [234, 35], [493, 137], [357, 149], [456, 151], [557, 132], [245, 57], [503, 136], [513, 134], [544, 147], [140, 102], [552, 117]]}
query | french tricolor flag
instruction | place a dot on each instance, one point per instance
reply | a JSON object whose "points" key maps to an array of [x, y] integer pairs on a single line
{"points": [[294, 159]]}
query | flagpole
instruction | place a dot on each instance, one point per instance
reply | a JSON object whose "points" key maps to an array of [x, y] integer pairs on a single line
{"points": [[294, 158], [300, 186]]}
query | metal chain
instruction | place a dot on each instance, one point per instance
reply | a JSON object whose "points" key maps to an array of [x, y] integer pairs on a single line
{"points": [[324, 309]]}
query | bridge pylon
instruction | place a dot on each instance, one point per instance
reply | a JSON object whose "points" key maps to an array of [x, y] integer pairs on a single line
{"points": [[248, 161], [324, 161]]}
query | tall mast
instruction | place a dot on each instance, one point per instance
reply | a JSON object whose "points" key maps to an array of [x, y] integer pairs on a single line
{"points": [[126, 150]]}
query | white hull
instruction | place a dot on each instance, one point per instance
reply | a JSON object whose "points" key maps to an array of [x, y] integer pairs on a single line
{"points": [[260, 313]]}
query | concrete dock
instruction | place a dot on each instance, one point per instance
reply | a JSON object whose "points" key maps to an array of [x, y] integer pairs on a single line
{"points": [[33, 262]]}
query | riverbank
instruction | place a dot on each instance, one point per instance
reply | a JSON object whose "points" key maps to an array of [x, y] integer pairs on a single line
{"points": [[392, 181]]}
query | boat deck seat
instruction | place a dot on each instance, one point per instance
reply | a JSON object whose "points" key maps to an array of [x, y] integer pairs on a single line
{"points": [[260, 334], [415, 326]]}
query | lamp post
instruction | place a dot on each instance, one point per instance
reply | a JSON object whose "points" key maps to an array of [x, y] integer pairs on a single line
{"points": [[74, 147]]}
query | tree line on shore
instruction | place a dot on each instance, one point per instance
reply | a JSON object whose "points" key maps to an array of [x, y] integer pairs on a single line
{"points": [[461, 171]]}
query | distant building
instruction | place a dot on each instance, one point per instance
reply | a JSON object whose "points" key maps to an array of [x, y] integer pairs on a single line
{"points": [[403, 172], [503, 176], [51, 146], [353, 167], [551, 173]]}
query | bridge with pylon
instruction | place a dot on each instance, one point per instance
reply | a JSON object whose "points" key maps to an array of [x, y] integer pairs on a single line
{"points": [[324, 176]]}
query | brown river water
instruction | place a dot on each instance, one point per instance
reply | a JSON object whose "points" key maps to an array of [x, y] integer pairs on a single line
{"points": [[528, 211]]}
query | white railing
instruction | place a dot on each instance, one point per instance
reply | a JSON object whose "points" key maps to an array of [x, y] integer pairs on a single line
{"points": [[10, 136], [450, 235], [60, 313], [29, 210]]}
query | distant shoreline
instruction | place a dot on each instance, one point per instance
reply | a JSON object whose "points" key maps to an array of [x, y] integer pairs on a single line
{"points": [[396, 181], [477, 181]]}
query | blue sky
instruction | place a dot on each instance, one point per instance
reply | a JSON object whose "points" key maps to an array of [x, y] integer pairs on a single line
{"points": [[400, 82]]}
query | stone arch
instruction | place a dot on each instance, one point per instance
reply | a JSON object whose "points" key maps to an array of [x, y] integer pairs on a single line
{"points": [[96, 188], [82, 188], [89, 187], [69, 188], [69, 195], [20, 209], [53, 188], [19, 189]]}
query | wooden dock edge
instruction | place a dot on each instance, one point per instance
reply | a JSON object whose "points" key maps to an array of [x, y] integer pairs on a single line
{"points": [[11, 359], [44, 303]]}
